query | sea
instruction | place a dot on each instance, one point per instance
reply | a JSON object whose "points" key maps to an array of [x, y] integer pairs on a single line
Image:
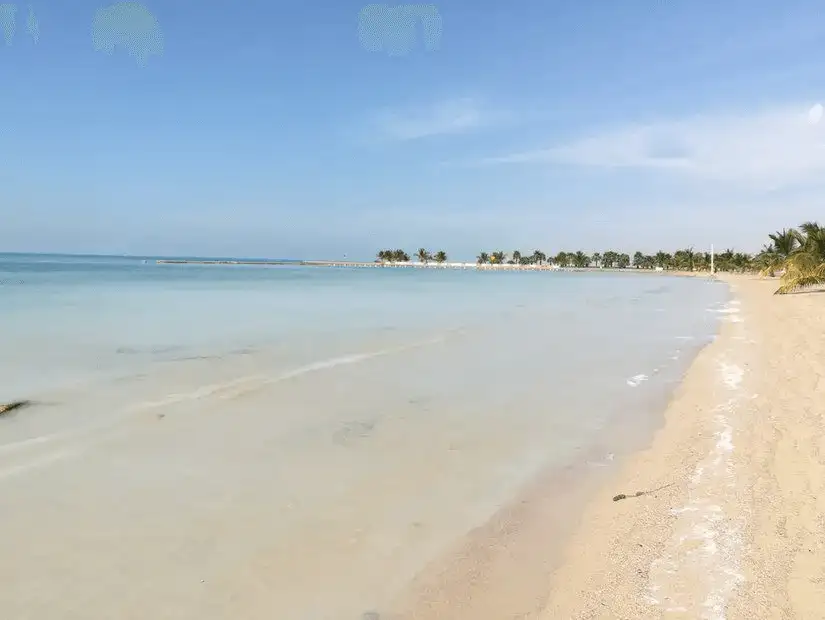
{"points": [[298, 442]]}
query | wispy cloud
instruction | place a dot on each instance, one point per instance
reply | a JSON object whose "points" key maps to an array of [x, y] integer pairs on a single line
{"points": [[774, 148], [453, 116]]}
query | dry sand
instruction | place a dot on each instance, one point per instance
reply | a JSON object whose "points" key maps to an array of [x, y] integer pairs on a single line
{"points": [[741, 533]]}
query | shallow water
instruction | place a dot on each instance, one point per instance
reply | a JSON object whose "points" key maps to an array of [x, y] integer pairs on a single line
{"points": [[299, 442]]}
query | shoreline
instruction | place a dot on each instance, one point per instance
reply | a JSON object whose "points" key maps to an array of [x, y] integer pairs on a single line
{"points": [[417, 265], [740, 533], [506, 567], [731, 521]]}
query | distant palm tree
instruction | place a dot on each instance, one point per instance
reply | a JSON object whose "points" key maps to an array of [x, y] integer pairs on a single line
{"points": [[483, 258], [516, 257], [538, 257], [597, 259], [498, 257], [562, 259], [400, 256], [423, 255], [441, 257], [580, 260], [610, 259], [685, 259]]}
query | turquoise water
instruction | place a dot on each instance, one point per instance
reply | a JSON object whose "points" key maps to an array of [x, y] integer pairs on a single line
{"points": [[335, 400]]}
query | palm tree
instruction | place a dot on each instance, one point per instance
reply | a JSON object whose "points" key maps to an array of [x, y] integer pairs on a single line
{"points": [[423, 255], [498, 257], [609, 259], [580, 260], [483, 258], [623, 261], [538, 257], [806, 264], [516, 257], [400, 256], [773, 255], [787, 241], [441, 257], [562, 259]]}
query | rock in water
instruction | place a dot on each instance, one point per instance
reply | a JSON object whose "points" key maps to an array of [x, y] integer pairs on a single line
{"points": [[9, 407]]}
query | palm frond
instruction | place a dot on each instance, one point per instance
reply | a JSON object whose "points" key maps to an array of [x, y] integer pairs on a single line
{"points": [[802, 270]]}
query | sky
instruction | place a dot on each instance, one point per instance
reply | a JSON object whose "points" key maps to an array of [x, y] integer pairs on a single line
{"points": [[334, 128]]}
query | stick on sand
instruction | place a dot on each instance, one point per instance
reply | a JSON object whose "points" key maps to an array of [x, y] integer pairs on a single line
{"points": [[620, 496]]}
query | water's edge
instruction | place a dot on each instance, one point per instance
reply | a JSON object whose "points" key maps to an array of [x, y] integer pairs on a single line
{"points": [[504, 567]]}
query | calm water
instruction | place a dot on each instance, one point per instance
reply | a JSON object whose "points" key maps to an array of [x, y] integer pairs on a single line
{"points": [[325, 409]]}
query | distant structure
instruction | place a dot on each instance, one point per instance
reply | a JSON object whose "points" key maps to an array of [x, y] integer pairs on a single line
{"points": [[392, 29], [130, 26]]}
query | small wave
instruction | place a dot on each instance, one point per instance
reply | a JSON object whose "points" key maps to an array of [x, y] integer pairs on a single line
{"points": [[244, 385], [636, 380], [724, 310]]}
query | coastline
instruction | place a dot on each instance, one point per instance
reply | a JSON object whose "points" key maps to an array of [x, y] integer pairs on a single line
{"points": [[419, 265], [506, 567], [731, 523], [740, 533]]}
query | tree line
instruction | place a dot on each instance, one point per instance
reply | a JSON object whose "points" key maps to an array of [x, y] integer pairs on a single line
{"points": [[797, 254]]}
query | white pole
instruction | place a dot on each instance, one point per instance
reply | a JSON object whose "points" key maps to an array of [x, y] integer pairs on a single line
{"points": [[712, 270]]}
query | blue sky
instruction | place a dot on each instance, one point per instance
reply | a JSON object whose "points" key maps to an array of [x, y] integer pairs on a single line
{"points": [[272, 129]]}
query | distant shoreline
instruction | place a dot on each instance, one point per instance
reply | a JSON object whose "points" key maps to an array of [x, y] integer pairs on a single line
{"points": [[415, 265]]}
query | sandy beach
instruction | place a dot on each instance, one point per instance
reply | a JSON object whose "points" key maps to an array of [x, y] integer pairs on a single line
{"points": [[741, 531]]}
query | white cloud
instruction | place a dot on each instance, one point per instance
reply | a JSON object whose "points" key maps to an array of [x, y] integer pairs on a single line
{"points": [[766, 149], [447, 117]]}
